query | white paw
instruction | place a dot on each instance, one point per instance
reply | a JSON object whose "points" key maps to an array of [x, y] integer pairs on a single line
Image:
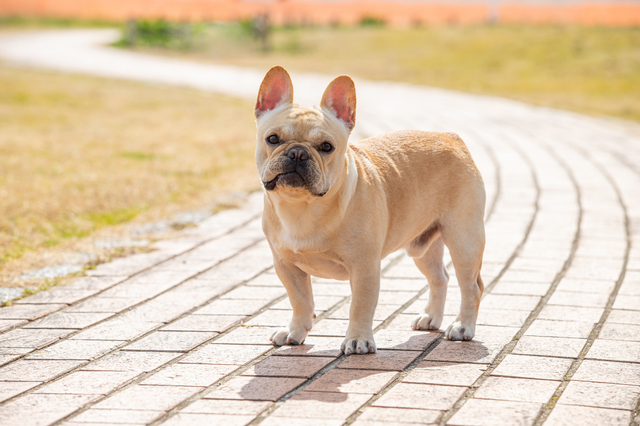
{"points": [[458, 331], [358, 345], [284, 336], [426, 322]]}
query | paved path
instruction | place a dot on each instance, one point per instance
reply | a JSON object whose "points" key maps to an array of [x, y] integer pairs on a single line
{"points": [[179, 336]]}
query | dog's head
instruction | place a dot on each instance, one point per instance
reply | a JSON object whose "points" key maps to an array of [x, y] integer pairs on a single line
{"points": [[301, 152]]}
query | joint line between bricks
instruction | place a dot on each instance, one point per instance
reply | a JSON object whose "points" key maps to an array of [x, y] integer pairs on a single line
{"points": [[595, 331]]}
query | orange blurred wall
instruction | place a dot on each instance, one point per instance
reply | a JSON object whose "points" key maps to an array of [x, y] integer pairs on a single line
{"points": [[396, 13]]}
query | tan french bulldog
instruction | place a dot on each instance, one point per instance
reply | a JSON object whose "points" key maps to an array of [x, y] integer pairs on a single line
{"points": [[334, 209]]}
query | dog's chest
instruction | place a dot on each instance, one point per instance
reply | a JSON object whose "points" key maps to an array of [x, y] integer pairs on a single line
{"points": [[323, 265]]}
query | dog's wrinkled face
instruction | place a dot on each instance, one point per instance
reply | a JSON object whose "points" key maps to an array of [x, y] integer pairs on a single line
{"points": [[301, 152]]}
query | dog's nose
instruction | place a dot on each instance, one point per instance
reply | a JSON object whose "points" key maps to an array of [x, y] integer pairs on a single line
{"points": [[298, 154]]}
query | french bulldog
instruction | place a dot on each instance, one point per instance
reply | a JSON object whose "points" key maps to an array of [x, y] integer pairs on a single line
{"points": [[335, 210]]}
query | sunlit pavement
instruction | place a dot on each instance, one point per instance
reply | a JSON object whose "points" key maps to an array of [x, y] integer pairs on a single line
{"points": [[180, 335]]}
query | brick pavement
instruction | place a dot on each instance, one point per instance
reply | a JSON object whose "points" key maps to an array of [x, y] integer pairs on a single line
{"points": [[179, 336]]}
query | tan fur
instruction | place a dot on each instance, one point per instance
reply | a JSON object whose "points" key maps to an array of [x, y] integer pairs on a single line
{"points": [[407, 189]]}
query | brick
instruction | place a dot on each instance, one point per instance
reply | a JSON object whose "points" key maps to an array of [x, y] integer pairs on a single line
{"points": [[112, 415], [188, 419], [399, 415], [9, 324], [382, 312], [323, 405], [314, 346], [387, 360], [281, 366], [533, 367], [30, 338], [171, 341], [29, 312], [615, 350], [608, 372], [623, 317], [116, 329], [566, 415], [521, 289], [501, 317], [232, 307], [189, 375], [56, 295], [405, 340], [248, 336], [271, 318], [626, 302], [105, 304], [88, 383], [445, 373], [604, 395], [95, 283], [587, 300], [352, 381], [277, 421], [546, 328], [612, 331], [75, 349], [517, 389], [42, 409], [139, 362], [7, 358], [148, 397], [419, 396], [586, 286], [252, 293], [570, 313], [35, 370], [255, 388], [216, 323], [549, 346], [226, 406], [224, 354], [516, 303], [403, 284], [482, 412], [71, 320], [11, 389]]}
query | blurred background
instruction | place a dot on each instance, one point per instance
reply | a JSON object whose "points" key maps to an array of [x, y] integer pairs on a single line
{"points": [[93, 168]]}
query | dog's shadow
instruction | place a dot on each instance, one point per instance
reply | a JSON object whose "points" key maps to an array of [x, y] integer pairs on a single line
{"points": [[359, 374]]}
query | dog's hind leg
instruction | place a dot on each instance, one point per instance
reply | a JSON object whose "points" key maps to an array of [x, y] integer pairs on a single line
{"points": [[466, 246], [431, 265]]}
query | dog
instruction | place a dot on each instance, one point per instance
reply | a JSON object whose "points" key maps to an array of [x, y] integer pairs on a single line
{"points": [[335, 210]]}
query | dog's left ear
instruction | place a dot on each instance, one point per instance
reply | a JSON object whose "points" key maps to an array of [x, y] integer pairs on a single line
{"points": [[275, 90], [340, 99]]}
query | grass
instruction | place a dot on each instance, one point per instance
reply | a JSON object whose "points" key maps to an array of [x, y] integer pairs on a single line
{"points": [[589, 70], [81, 154]]}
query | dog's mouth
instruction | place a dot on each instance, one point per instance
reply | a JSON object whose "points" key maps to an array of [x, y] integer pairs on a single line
{"points": [[289, 179]]}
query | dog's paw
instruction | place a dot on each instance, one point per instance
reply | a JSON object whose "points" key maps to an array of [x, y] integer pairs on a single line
{"points": [[284, 336], [426, 322], [358, 345], [459, 331]]}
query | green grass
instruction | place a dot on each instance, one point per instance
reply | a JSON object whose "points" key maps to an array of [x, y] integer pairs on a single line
{"points": [[589, 70]]}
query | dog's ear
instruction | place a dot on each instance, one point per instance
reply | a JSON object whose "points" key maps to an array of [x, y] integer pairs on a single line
{"points": [[276, 89], [340, 99]]}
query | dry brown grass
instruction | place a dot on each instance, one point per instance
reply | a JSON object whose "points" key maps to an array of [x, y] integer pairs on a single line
{"points": [[79, 154]]}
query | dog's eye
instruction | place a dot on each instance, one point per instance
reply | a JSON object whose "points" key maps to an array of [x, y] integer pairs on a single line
{"points": [[273, 139], [326, 147]]}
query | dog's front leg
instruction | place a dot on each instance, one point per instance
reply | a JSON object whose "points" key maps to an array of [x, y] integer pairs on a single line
{"points": [[365, 287], [298, 286]]}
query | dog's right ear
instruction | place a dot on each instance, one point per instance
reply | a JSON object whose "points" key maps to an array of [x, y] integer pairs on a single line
{"points": [[276, 89]]}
